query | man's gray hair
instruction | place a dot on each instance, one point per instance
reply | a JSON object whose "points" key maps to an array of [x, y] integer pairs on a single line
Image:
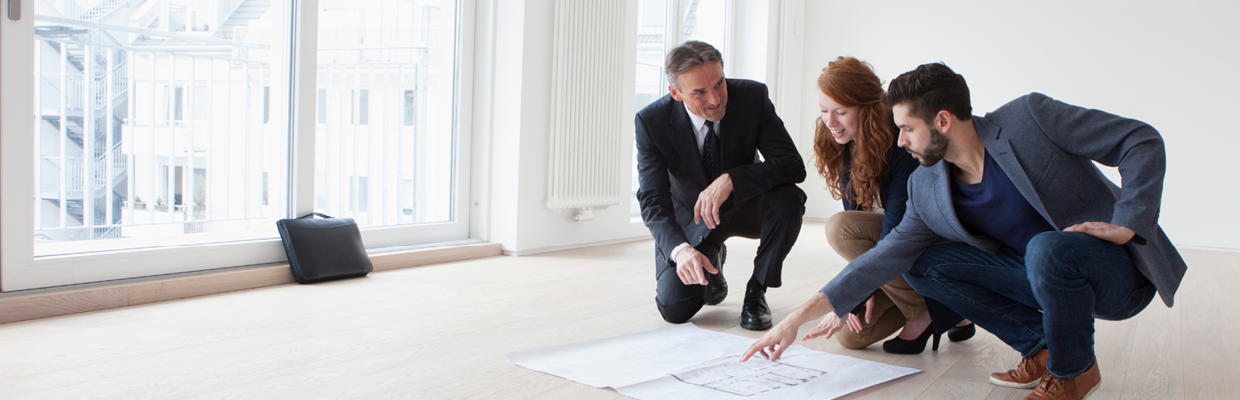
{"points": [[688, 55]]}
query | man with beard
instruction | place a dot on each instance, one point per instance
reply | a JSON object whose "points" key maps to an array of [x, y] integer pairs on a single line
{"points": [[1017, 231]]}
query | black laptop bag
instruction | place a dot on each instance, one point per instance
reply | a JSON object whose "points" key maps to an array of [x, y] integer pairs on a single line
{"points": [[323, 249]]}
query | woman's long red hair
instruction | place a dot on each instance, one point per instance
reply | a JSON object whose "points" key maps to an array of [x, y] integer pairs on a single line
{"points": [[851, 83]]}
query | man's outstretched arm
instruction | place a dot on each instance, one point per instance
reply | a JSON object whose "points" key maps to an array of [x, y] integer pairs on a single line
{"points": [[772, 345]]}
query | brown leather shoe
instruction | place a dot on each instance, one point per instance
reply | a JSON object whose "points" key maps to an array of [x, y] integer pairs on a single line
{"points": [[1026, 375], [1072, 389]]}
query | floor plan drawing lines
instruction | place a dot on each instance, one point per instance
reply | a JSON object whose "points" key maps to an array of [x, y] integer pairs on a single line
{"points": [[728, 375], [685, 362]]}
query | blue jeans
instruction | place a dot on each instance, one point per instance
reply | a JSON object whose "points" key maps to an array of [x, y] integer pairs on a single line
{"points": [[1047, 298]]}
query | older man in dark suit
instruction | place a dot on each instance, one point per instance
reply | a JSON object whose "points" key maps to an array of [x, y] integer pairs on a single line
{"points": [[1018, 230], [714, 161]]}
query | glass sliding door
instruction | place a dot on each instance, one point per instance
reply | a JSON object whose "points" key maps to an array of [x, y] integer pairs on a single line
{"points": [[385, 139], [148, 137], [156, 123]]}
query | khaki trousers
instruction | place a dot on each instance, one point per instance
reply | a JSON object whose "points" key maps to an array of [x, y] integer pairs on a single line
{"points": [[852, 233]]}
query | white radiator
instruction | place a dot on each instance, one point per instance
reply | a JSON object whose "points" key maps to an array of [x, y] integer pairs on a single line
{"points": [[587, 87]]}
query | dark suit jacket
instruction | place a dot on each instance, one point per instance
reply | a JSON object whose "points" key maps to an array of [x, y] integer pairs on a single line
{"points": [[1048, 149], [670, 168]]}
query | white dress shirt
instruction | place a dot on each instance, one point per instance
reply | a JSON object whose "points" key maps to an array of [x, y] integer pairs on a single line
{"points": [[699, 129]]}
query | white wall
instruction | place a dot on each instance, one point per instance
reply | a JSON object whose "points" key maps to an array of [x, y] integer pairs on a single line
{"points": [[520, 129], [785, 55], [1171, 64]]}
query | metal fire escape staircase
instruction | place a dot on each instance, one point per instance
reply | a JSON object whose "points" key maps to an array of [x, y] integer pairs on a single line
{"points": [[76, 110], [235, 27]]}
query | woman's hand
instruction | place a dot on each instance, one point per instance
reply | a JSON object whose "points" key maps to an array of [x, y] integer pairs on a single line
{"points": [[830, 324], [854, 322], [827, 328]]}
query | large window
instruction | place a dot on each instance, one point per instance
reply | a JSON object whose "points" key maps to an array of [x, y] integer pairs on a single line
{"points": [[148, 137], [153, 122], [386, 74]]}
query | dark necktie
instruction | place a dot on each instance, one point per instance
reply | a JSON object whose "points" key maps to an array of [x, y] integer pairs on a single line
{"points": [[710, 154]]}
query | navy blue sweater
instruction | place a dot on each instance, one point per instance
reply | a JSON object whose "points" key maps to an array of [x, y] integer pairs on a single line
{"points": [[994, 207]]}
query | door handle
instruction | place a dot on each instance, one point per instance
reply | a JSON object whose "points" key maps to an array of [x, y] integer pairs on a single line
{"points": [[15, 10]]}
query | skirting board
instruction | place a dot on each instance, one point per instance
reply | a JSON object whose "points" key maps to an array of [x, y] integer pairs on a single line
{"points": [[1209, 248], [73, 301], [530, 252]]}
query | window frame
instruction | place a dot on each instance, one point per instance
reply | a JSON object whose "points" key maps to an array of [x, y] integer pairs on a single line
{"points": [[21, 270]]}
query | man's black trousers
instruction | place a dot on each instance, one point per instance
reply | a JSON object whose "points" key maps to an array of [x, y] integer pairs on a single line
{"points": [[773, 218]]}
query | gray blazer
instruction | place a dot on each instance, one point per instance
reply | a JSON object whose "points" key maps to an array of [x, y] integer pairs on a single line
{"points": [[1047, 148]]}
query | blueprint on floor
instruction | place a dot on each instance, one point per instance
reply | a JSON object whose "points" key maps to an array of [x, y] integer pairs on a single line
{"points": [[684, 362]]}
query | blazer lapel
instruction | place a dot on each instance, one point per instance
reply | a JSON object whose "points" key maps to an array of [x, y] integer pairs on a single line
{"points": [[947, 209], [1001, 151], [943, 199], [685, 141]]}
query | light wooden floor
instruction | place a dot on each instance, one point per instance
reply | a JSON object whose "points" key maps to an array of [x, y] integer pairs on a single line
{"points": [[442, 331]]}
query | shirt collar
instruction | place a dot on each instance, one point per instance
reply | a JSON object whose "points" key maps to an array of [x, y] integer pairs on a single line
{"points": [[698, 122]]}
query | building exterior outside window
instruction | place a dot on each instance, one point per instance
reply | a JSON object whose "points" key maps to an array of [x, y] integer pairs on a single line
{"points": [[159, 120]]}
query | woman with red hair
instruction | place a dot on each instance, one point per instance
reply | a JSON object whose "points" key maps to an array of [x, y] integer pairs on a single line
{"points": [[856, 152]]}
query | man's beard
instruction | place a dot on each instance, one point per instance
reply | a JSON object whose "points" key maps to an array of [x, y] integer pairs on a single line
{"points": [[934, 152]]}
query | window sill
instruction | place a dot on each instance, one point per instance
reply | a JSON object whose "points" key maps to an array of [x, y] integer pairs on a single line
{"points": [[43, 303]]}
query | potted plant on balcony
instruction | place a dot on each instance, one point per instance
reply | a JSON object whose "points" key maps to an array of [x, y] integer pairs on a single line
{"points": [[200, 195], [138, 204], [160, 206]]}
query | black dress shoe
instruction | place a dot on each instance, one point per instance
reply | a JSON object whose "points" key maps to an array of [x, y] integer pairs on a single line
{"points": [[961, 333], [915, 346], [717, 287], [755, 315]]}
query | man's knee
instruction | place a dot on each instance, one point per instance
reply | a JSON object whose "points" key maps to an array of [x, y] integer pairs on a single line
{"points": [[935, 256], [784, 201], [924, 267], [925, 277], [676, 301], [1052, 255], [1051, 244], [679, 312], [918, 283]]}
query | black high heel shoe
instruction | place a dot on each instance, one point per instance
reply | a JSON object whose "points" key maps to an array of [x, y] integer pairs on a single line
{"points": [[915, 346], [961, 333]]}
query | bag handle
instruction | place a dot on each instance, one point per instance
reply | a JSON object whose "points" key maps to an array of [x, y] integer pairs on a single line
{"points": [[311, 214]]}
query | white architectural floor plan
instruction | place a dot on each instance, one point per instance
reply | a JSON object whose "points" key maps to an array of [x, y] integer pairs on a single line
{"points": [[684, 362]]}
